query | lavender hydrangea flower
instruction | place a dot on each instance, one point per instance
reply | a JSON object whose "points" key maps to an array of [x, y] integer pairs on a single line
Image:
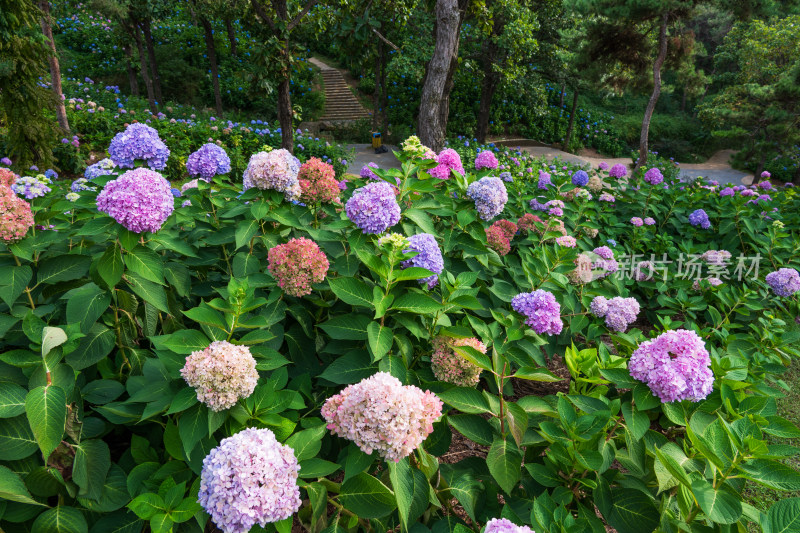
{"points": [[276, 170], [250, 478], [675, 365], [104, 167], [373, 208], [6, 161], [490, 196], [602, 166], [649, 221], [209, 161], [784, 282], [605, 261], [541, 310], [618, 171], [140, 200], [699, 218], [367, 173], [619, 312], [580, 178], [429, 256], [544, 180], [506, 176], [653, 176], [504, 525], [637, 221], [486, 159], [607, 197], [727, 191], [138, 142], [31, 187]]}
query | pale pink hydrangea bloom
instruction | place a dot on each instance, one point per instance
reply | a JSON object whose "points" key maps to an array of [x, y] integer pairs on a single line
{"points": [[221, 374], [504, 525], [451, 367]]}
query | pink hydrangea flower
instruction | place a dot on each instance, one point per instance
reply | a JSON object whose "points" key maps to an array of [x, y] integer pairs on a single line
{"points": [[318, 183], [221, 374], [619, 312], [567, 241], [451, 367], [296, 265], [486, 159], [449, 162], [504, 525], [16, 217]]}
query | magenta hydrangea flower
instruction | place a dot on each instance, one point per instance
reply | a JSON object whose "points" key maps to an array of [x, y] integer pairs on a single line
{"points": [[276, 170], [486, 159], [619, 312], [675, 365], [653, 176], [504, 525], [784, 282], [449, 161], [490, 196], [602, 166], [140, 200], [429, 256], [250, 478], [367, 173], [209, 161], [449, 366], [296, 265], [138, 142], [221, 374], [541, 310], [381, 414], [373, 208], [618, 171]]}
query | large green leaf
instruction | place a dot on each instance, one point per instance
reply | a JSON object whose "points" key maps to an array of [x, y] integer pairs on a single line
{"points": [[96, 345], [367, 497], [719, 505], [63, 268], [61, 519], [13, 488], [772, 474], [352, 291], [347, 327], [192, 427], [412, 302], [12, 399], [466, 400], [13, 283], [46, 408], [110, 265], [505, 463], [783, 517], [379, 340], [16, 438], [638, 423], [633, 511], [146, 263], [307, 443], [350, 368], [115, 493], [85, 305], [89, 471], [411, 489], [183, 341], [148, 291]]}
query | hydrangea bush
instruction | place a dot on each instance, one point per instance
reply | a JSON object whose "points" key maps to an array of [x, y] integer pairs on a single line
{"points": [[245, 362]]}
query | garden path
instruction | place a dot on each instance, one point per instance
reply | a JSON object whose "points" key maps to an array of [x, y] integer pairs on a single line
{"points": [[341, 105]]}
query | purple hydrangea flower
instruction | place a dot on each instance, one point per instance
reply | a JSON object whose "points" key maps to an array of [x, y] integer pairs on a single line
{"points": [[619, 312], [653, 176], [541, 310], [31, 187], [618, 171], [580, 178], [138, 142], [140, 200], [675, 365], [276, 170], [699, 218], [250, 478], [486, 159], [637, 221], [490, 196], [367, 173], [765, 184], [538, 206], [6, 161], [784, 282], [429, 256], [605, 262], [606, 197], [104, 167], [649, 221], [544, 180], [504, 525], [506, 176], [208, 161], [727, 191], [81, 184], [602, 166], [373, 208]]}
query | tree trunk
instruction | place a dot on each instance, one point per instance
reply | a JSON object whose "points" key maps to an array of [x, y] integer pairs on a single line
{"points": [[134, 83], [683, 100], [651, 105], [151, 54], [762, 161], [563, 94], [568, 137], [284, 96], [148, 83], [231, 35], [385, 94], [212, 59], [376, 94], [55, 67], [433, 102]]}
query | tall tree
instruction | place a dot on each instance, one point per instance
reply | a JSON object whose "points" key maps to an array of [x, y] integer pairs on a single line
{"points": [[204, 10], [55, 67]]}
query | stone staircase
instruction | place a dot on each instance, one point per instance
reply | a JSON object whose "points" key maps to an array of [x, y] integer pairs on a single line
{"points": [[341, 105]]}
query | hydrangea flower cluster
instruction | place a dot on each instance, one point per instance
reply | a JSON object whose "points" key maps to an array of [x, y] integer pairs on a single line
{"points": [[544, 180], [580, 178], [567, 241], [784, 282], [139, 199], [699, 218], [541, 310], [104, 167], [653, 176], [527, 222], [716, 257], [16, 217], [367, 173], [449, 162], [209, 161], [380, 414], [318, 183], [486, 159], [644, 271], [675, 365], [414, 148], [449, 366], [397, 241], [296, 265], [619, 312], [649, 221], [583, 270], [276, 170], [637, 221], [499, 235], [504, 525], [373, 208], [618, 171], [138, 142], [555, 208], [507, 177], [7, 178], [80, 185], [221, 374], [607, 197], [490, 196], [429, 256], [72, 196], [606, 262], [595, 184], [250, 478], [31, 187]]}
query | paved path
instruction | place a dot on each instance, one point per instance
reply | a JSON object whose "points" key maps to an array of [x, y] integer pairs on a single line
{"points": [[366, 154], [340, 102]]}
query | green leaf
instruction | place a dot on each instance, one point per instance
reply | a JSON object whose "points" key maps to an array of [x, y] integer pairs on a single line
{"points": [[13, 488], [16, 438], [537, 374], [772, 474], [411, 273], [89, 471], [110, 266], [783, 517], [115, 493], [61, 519], [146, 263], [411, 490], [420, 304], [422, 220], [367, 497], [351, 291], [14, 281], [638, 422], [718, 505], [505, 463], [96, 345], [12, 399], [245, 231], [347, 327], [379, 340], [192, 427], [63, 268], [148, 291], [632, 511], [466, 400], [315, 468], [307, 443], [52, 338], [350, 368], [147, 505], [473, 427], [86, 305], [102, 391], [183, 341], [46, 408], [119, 522]]}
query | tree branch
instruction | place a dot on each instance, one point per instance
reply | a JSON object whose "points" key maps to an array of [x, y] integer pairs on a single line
{"points": [[384, 39], [262, 14], [295, 21]]}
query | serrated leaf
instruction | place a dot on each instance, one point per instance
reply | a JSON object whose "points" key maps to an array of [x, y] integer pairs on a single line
{"points": [[466, 400], [411, 491], [505, 463], [46, 409], [367, 497], [89, 471], [146, 263], [152, 293], [351, 291], [61, 519], [13, 488], [12, 399], [379, 340]]}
